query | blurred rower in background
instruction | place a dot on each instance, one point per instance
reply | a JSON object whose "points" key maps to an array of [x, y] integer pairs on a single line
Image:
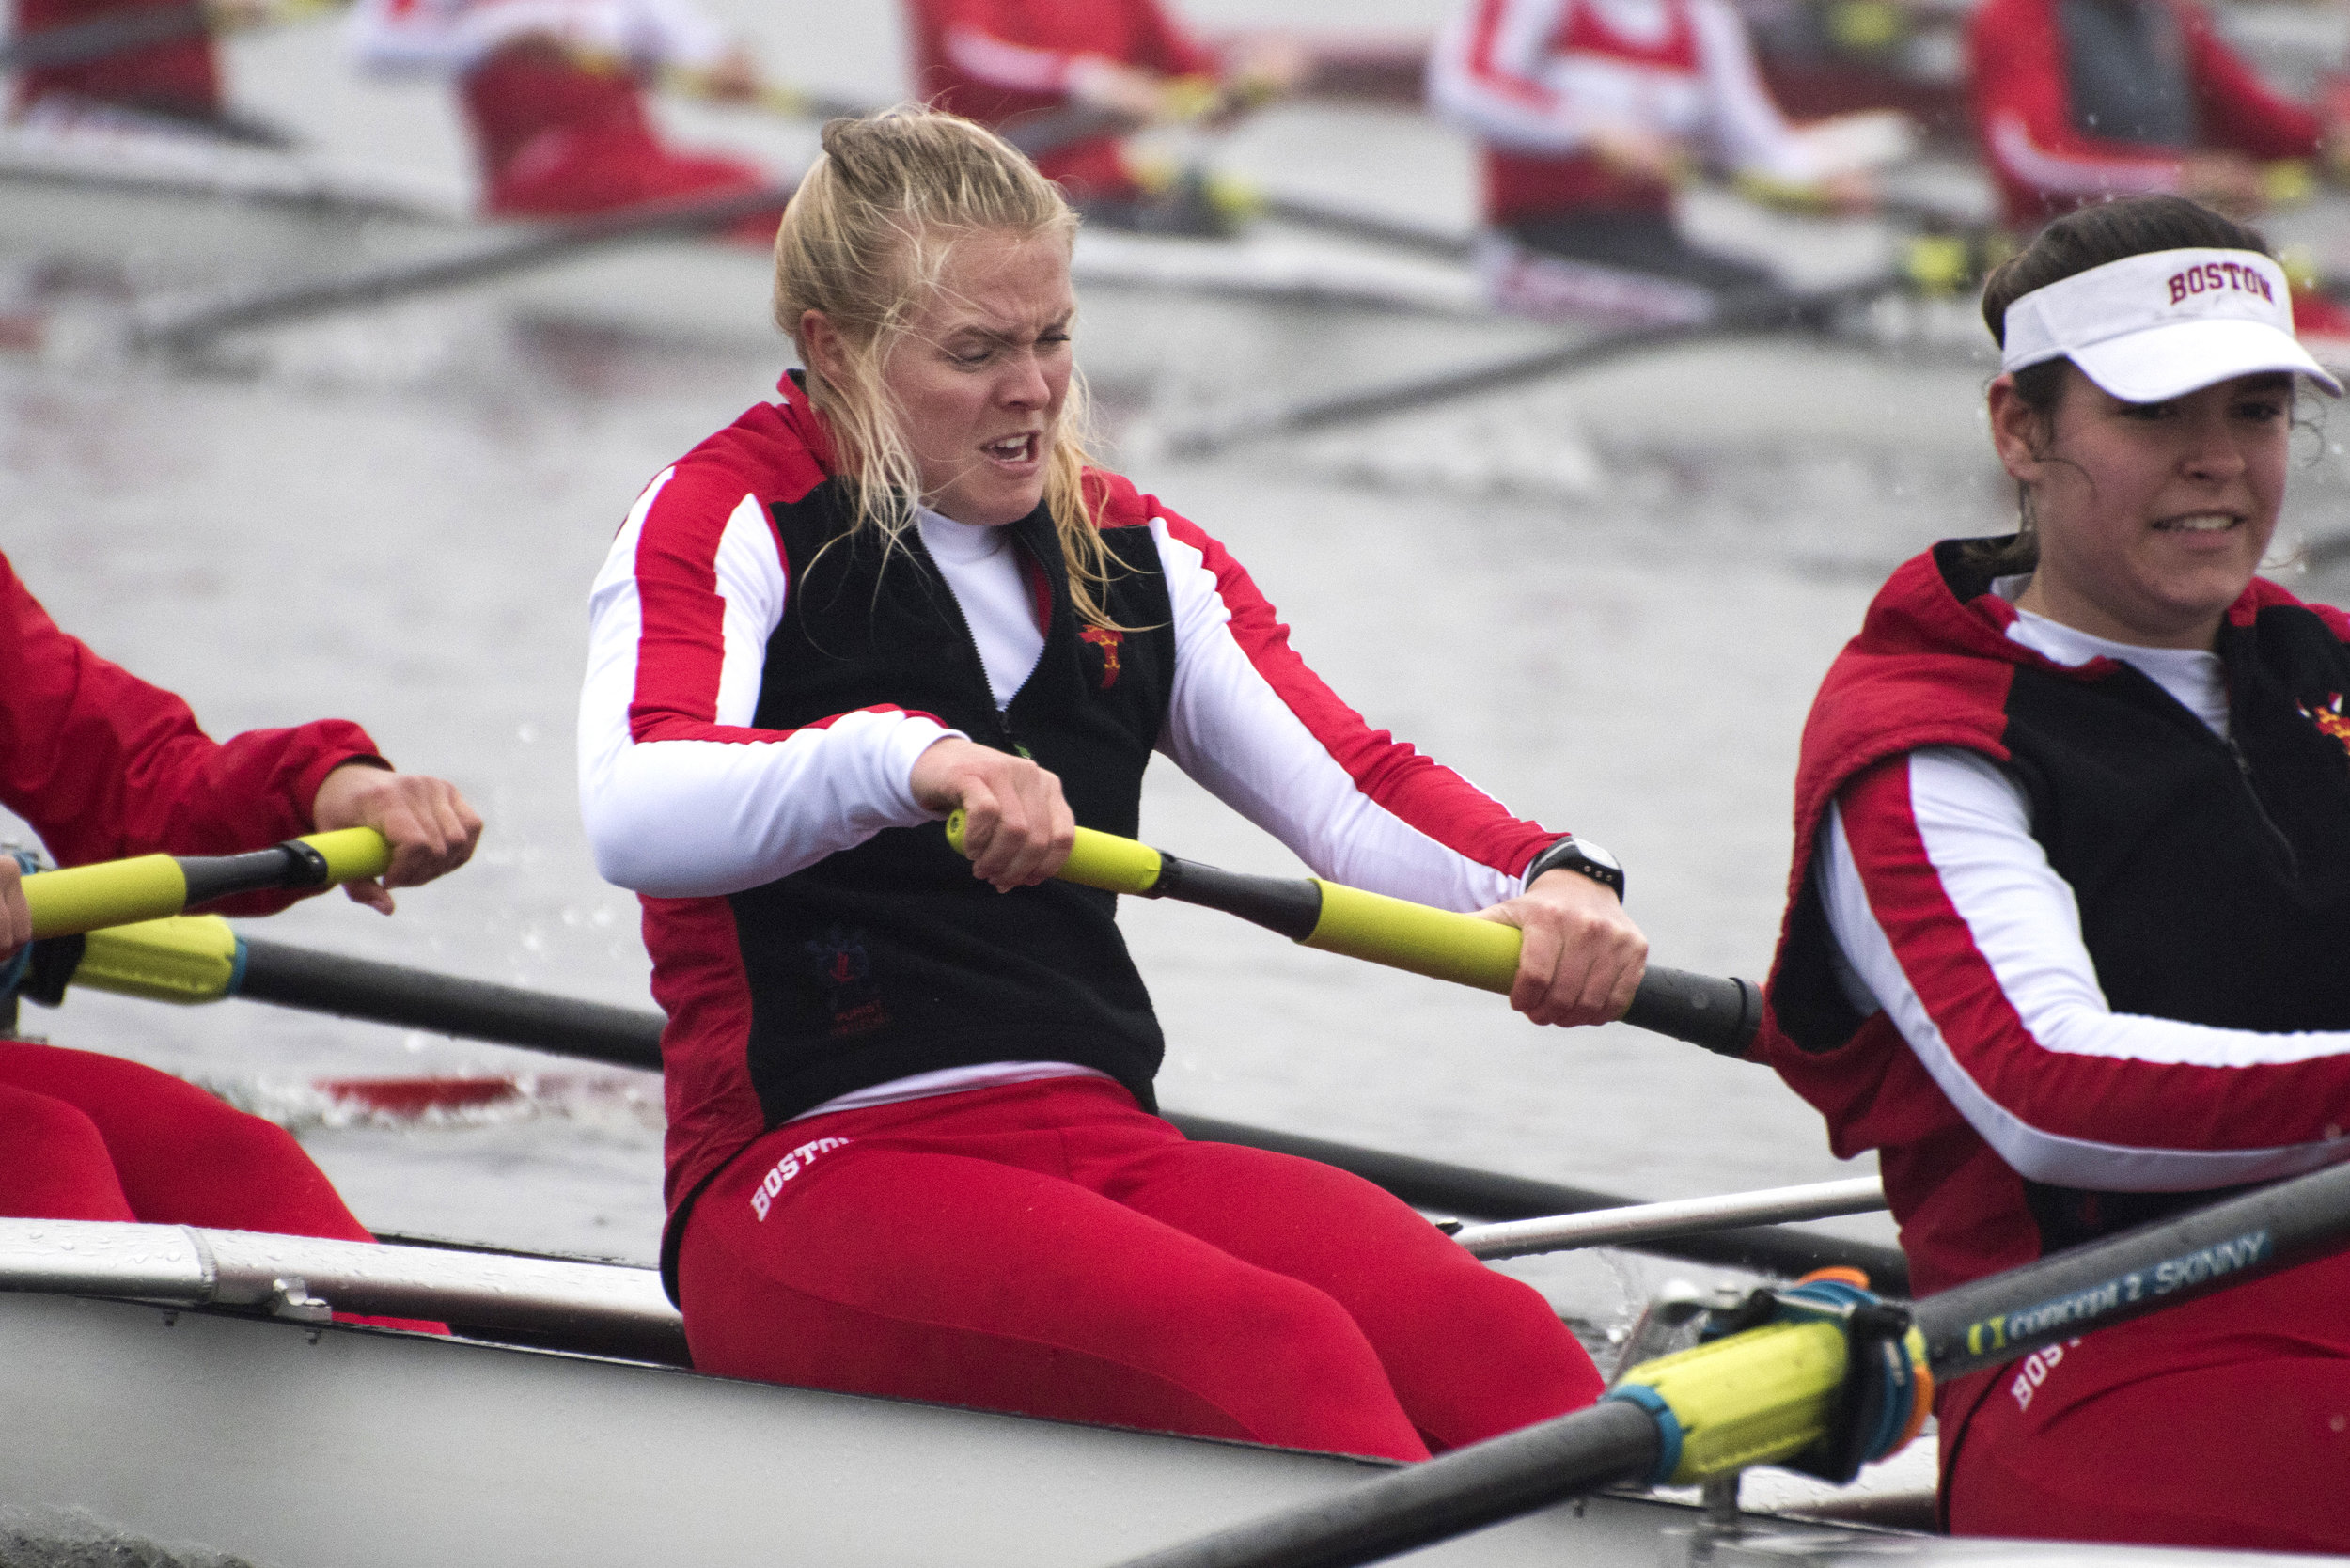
{"points": [[555, 96], [1593, 113], [2078, 100], [1126, 63], [148, 64]]}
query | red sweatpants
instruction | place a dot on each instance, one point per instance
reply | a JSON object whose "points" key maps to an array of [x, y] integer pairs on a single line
{"points": [[1050, 1248], [2225, 1422], [90, 1137]]}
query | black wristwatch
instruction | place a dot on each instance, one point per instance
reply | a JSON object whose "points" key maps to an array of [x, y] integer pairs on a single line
{"points": [[1579, 854]]}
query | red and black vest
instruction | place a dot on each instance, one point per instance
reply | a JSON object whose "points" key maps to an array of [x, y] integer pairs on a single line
{"points": [[891, 959], [2213, 876]]}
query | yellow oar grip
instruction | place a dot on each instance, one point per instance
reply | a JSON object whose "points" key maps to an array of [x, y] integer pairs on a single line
{"points": [[152, 887], [188, 958], [1101, 860], [110, 893], [1754, 1398], [1433, 942], [351, 853]]}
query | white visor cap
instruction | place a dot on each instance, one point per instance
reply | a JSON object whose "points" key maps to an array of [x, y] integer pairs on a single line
{"points": [[2151, 327]]}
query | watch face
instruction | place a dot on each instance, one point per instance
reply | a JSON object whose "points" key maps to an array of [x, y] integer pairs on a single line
{"points": [[1597, 856]]}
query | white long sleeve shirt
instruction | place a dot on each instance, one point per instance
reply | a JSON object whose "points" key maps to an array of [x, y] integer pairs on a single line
{"points": [[1947, 833]]}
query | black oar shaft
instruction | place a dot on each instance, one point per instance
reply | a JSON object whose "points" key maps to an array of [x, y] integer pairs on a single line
{"points": [[1435, 1501], [1768, 310], [1718, 1012], [94, 41], [1291, 905], [479, 265], [478, 1009], [2140, 1271]]}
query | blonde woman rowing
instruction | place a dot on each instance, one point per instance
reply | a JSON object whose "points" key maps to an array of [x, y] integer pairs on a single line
{"points": [[912, 1148]]}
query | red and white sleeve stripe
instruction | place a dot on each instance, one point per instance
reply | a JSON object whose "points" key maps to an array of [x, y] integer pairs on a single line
{"points": [[1948, 910], [1487, 75], [2061, 172], [681, 796], [1014, 67], [1261, 730]]}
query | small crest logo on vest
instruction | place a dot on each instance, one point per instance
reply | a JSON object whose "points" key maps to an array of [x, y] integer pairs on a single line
{"points": [[1107, 639], [844, 969], [2329, 717], [2211, 276]]}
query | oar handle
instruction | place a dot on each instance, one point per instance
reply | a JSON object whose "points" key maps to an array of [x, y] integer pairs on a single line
{"points": [[150, 886], [1717, 1014]]}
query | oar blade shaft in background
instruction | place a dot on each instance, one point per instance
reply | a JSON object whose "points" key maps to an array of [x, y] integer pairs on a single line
{"points": [[80, 43], [191, 326], [445, 1004]]}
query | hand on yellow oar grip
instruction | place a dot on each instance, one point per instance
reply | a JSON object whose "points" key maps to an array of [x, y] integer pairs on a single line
{"points": [[1101, 860], [351, 853]]}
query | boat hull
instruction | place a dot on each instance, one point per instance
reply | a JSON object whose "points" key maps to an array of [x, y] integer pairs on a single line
{"points": [[281, 1442]]}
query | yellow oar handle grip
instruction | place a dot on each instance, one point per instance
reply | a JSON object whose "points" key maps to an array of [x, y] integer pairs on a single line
{"points": [[352, 854], [1101, 860], [1438, 943], [153, 886], [1752, 1399], [187, 958], [110, 893]]}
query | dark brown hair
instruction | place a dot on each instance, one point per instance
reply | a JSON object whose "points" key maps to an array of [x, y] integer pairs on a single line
{"points": [[2083, 239]]}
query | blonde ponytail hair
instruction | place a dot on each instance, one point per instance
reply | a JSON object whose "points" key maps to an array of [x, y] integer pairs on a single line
{"points": [[864, 241]]}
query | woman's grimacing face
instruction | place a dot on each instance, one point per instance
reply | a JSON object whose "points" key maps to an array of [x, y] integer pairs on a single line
{"points": [[2151, 517], [979, 376]]}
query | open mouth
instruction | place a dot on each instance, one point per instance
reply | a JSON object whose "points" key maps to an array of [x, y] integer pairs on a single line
{"points": [[2198, 523], [1012, 449]]}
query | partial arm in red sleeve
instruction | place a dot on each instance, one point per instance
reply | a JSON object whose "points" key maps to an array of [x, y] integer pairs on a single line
{"points": [[1950, 918], [2235, 107], [104, 765]]}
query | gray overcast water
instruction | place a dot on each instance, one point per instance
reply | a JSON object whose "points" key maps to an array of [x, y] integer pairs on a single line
{"points": [[1605, 600]]}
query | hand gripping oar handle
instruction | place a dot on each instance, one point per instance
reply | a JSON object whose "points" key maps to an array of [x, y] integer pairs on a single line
{"points": [[149, 886], [1719, 1014]]}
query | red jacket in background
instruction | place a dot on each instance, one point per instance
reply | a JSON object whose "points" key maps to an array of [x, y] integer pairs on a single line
{"points": [[103, 765], [993, 60], [179, 78], [2046, 166]]}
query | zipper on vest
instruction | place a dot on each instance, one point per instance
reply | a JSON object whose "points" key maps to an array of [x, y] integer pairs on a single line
{"points": [[971, 648], [2243, 772]]}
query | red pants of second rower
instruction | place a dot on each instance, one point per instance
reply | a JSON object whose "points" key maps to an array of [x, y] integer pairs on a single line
{"points": [[90, 1137], [1050, 1248], [557, 140], [2224, 1423]]}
